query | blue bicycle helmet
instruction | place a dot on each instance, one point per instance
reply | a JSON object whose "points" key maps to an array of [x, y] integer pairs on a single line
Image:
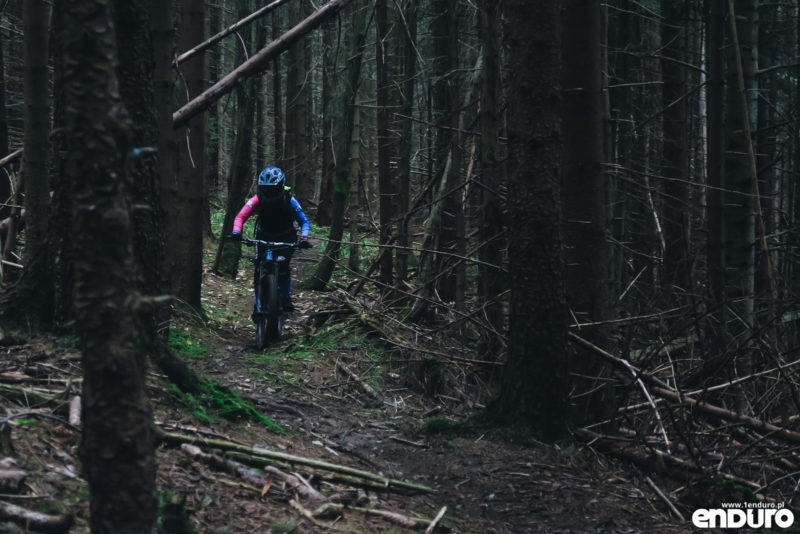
{"points": [[271, 182]]}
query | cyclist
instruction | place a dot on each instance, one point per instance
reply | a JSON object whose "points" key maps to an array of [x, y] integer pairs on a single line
{"points": [[277, 213]]}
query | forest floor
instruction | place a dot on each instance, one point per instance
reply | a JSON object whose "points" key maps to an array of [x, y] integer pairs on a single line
{"points": [[489, 480]]}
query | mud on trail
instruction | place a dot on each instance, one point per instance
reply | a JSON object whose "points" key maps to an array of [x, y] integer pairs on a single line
{"points": [[484, 481]]}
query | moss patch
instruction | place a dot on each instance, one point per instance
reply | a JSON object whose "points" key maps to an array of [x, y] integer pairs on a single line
{"points": [[216, 400], [184, 343]]}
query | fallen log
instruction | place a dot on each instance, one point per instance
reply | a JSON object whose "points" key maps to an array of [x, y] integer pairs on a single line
{"points": [[255, 64], [264, 456]]}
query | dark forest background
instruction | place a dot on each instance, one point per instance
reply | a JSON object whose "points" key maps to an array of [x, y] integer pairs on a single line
{"points": [[596, 200]]}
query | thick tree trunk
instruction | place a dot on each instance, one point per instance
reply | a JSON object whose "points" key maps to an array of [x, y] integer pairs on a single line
{"points": [[584, 199], [135, 72], [117, 444], [535, 381]]}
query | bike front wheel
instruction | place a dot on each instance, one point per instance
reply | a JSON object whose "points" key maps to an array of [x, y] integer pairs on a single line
{"points": [[274, 322], [261, 332]]}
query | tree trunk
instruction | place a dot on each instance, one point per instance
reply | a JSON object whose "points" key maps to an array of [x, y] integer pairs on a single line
{"points": [[36, 16], [277, 98], [240, 177], [383, 54], [329, 56], [135, 72], [342, 110], [406, 36], [446, 98], [535, 381], [675, 162], [491, 224], [6, 186], [353, 260], [584, 200], [740, 183], [185, 218], [715, 176], [117, 444], [240, 174]]}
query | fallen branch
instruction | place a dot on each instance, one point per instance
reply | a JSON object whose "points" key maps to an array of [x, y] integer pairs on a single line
{"points": [[366, 388], [664, 498], [75, 411], [255, 64], [653, 459], [263, 456], [293, 482], [663, 390], [11, 157], [229, 30], [436, 520], [35, 520], [327, 510]]}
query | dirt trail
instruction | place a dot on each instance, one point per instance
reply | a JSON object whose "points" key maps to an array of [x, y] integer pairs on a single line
{"points": [[488, 482]]}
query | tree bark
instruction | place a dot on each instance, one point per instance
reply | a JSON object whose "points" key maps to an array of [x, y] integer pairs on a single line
{"points": [[342, 110], [405, 73], [584, 199], [535, 381], [386, 193], [491, 225], [715, 92], [36, 16], [675, 166], [117, 444], [187, 190]]}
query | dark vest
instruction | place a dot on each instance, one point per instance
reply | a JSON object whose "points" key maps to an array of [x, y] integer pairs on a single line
{"points": [[275, 219]]}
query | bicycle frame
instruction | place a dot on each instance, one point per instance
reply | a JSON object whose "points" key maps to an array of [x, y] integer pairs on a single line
{"points": [[268, 310]]}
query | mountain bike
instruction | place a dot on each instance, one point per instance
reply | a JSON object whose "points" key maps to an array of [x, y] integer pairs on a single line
{"points": [[268, 310]]}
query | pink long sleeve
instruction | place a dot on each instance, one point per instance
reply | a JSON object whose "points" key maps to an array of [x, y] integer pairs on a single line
{"points": [[244, 214]]}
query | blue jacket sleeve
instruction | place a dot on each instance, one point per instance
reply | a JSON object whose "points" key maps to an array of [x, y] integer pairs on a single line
{"points": [[300, 217]]}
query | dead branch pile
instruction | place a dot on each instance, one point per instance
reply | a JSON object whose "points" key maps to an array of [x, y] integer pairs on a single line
{"points": [[437, 357], [728, 435]]}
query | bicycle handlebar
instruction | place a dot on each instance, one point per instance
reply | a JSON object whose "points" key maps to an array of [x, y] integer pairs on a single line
{"points": [[272, 244]]}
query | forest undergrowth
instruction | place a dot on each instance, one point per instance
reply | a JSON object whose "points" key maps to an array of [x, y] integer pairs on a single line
{"points": [[361, 421]]}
